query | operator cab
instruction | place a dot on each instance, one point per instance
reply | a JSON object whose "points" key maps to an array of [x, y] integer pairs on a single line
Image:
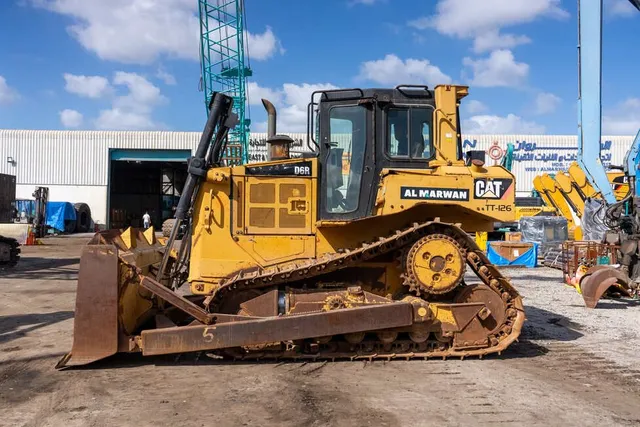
{"points": [[359, 132]]}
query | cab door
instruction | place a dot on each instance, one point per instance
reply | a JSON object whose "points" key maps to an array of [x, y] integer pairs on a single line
{"points": [[347, 153]]}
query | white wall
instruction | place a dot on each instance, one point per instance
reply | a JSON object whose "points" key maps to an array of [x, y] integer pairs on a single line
{"points": [[94, 196]]}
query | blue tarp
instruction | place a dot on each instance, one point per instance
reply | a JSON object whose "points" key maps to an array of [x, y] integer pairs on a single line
{"points": [[26, 206], [527, 259], [58, 213]]}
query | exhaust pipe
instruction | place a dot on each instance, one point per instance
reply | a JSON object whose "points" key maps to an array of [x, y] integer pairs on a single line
{"points": [[277, 145], [272, 115]]}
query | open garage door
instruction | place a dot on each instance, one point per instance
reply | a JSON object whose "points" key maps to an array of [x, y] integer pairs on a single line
{"points": [[145, 180]]}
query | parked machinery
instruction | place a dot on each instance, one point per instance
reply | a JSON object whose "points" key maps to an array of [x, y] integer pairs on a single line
{"points": [[343, 253], [568, 191], [621, 216], [41, 196], [546, 187]]}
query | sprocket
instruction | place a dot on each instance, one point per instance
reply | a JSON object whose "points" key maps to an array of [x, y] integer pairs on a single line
{"points": [[435, 264]]}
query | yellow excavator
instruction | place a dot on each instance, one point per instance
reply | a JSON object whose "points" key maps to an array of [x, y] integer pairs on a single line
{"points": [[584, 188], [355, 251], [564, 184], [567, 193], [546, 187]]}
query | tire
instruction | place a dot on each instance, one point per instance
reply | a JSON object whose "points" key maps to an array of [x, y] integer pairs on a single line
{"points": [[13, 248], [70, 226], [83, 217], [167, 226]]}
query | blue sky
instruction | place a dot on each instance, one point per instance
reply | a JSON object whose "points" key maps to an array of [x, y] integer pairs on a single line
{"points": [[133, 64]]}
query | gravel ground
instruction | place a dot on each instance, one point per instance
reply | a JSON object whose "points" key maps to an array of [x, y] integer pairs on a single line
{"points": [[573, 366]]}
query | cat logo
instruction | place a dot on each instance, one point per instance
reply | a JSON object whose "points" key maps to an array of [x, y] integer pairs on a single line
{"points": [[491, 188]]}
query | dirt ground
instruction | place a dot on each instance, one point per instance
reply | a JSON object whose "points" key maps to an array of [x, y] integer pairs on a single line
{"points": [[572, 367]]}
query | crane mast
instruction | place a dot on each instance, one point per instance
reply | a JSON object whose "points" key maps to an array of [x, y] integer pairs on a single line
{"points": [[224, 66]]}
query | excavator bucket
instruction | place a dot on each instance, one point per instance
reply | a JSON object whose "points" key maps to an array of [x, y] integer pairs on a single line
{"points": [[598, 280], [110, 304]]}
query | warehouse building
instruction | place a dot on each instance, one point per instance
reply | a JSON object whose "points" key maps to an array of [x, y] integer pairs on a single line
{"points": [[122, 174]]}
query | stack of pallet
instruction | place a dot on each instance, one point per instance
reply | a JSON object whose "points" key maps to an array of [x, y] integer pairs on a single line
{"points": [[552, 256]]}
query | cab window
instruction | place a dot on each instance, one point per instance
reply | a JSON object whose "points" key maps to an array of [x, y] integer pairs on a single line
{"points": [[345, 161], [409, 132]]}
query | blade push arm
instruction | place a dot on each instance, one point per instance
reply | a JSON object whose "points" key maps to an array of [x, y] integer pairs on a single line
{"points": [[221, 119]]}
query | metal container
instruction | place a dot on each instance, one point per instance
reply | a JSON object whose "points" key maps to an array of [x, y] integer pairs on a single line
{"points": [[7, 198]]}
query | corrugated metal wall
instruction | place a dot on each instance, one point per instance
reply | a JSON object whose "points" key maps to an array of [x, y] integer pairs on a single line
{"points": [[81, 157], [76, 157]]}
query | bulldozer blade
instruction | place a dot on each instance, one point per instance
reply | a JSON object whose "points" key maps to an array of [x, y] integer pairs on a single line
{"points": [[95, 327], [598, 280]]}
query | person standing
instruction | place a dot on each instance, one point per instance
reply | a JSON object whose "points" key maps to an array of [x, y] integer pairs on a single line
{"points": [[146, 220]]}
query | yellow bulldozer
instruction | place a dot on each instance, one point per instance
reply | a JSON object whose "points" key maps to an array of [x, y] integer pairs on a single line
{"points": [[358, 250]]}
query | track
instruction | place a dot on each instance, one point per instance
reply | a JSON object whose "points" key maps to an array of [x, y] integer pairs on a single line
{"points": [[372, 346]]}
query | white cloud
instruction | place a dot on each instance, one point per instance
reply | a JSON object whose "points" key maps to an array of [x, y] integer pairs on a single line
{"points": [[118, 119], [165, 76], [465, 18], [132, 110], [620, 8], [511, 124], [482, 20], [546, 103], [7, 93], [392, 71], [70, 118], [132, 31], [474, 106], [142, 95], [263, 46], [141, 31], [499, 69], [86, 86], [624, 119], [291, 101], [293, 114], [255, 93], [492, 40]]}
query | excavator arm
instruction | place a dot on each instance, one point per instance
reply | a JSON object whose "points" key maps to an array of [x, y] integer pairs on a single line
{"points": [[546, 186], [564, 184], [560, 203], [537, 185]]}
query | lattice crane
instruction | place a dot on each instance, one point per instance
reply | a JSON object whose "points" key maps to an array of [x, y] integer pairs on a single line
{"points": [[225, 65]]}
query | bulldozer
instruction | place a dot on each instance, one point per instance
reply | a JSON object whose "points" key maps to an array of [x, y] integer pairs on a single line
{"points": [[358, 249]]}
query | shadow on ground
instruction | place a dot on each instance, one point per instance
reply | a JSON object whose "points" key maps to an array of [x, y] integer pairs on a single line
{"points": [[546, 325], [17, 326], [617, 304], [532, 277], [38, 268]]}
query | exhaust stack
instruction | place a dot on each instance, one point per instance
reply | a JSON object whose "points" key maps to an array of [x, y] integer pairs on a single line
{"points": [[277, 145], [271, 117]]}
